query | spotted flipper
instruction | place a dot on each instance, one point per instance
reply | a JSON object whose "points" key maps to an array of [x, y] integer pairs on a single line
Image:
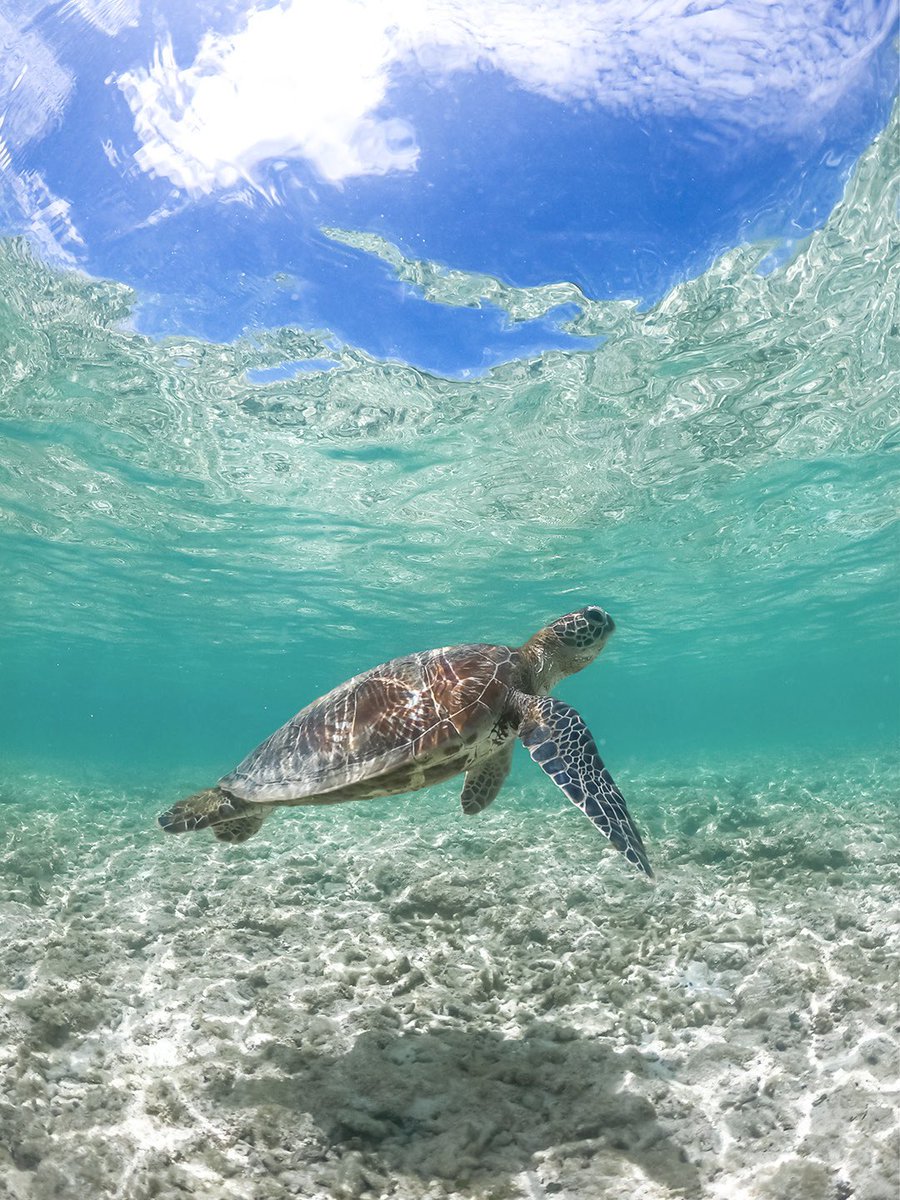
{"points": [[230, 819], [561, 744], [485, 779]]}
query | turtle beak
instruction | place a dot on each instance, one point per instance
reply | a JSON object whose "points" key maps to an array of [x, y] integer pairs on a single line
{"points": [[601, 618]]}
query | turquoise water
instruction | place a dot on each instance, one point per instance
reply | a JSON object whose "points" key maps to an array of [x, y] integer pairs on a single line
{"points": [[190, 556]]}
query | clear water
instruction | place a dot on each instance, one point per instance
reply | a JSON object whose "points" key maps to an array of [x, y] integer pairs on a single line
{"points": [[189, 555], [199, 538]]}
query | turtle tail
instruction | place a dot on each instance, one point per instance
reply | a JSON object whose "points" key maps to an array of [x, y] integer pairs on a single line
{"points": [[230, 819]]}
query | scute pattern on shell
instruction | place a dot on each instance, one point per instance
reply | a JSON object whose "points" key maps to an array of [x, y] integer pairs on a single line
{"points": [[412, 721]]}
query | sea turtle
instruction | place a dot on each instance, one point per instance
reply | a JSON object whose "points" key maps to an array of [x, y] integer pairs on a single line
{"points": [[418, 720]]}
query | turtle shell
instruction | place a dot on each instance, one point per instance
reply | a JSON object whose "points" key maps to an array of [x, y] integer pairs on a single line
{"points": [[409, 722]]}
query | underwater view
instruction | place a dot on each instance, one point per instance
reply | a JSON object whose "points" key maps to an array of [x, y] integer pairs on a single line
{"points": [[332, 334]]}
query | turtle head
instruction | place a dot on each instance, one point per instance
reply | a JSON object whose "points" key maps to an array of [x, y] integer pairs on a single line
{"points": [[570, 643]]}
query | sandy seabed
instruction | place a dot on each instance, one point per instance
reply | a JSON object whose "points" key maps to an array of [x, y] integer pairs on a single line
{"points": [[392, 1000]]}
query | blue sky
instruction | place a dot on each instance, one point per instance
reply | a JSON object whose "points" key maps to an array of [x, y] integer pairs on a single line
{"points": [[196, 151]]}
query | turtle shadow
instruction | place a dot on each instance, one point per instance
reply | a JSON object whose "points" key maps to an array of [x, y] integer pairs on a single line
{"points": [[474, 1105]]}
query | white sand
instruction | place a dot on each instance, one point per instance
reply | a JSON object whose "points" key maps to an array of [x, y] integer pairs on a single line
{"points": [[391, 1000]]}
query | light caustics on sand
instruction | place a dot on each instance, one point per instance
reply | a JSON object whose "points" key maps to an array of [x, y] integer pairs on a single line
{"points": [[448, 1009]]}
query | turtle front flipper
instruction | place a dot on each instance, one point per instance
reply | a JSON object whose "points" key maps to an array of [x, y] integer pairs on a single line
{"points": [[561, 744], [230, 819], [484, 779]]}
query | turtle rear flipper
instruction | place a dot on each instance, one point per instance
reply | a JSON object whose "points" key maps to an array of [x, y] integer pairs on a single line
{"points": [[561, 744], [485, 779], [230, 819]]}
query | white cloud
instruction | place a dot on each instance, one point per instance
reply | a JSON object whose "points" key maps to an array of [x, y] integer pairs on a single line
{"points": [[310, 79], [305, 81]]}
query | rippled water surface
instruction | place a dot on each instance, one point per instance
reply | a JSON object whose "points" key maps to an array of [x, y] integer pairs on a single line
{"points": [[192, 547]]}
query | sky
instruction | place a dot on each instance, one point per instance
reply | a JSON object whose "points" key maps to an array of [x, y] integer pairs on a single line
{"points": [[199, 152]]}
